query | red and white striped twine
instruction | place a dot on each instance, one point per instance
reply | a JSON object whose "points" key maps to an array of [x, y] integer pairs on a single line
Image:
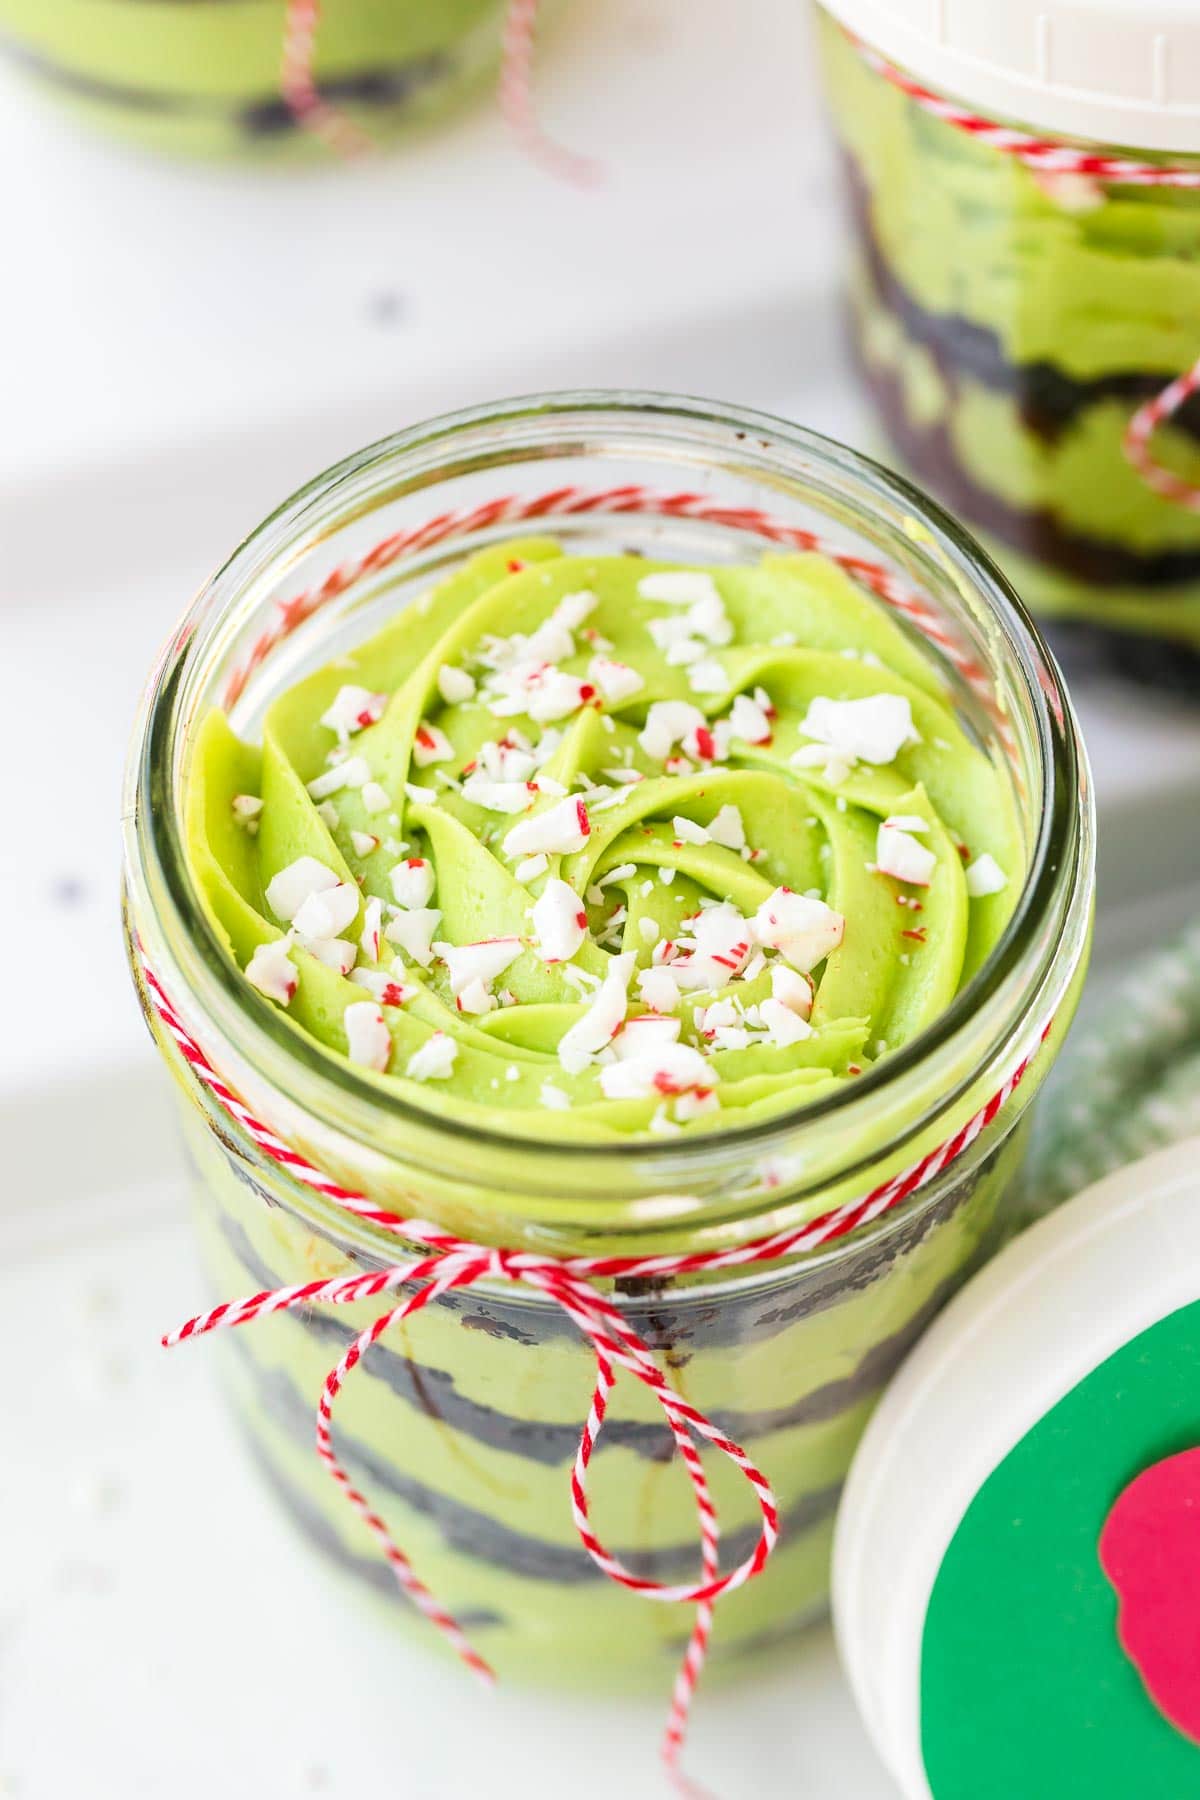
{"points": [[573, 502], [299, 88], [454, 1262], [1044, 156]]}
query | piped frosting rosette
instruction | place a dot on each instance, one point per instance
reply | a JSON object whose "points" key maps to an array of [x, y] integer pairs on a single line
{"points": [[598, 846]]}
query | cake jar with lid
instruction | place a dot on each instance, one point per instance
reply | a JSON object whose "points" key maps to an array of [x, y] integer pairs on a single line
{"points": [[1023, 190], [462, 1423], [255, 79]]}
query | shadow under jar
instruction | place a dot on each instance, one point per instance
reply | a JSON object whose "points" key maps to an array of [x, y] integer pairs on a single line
{"points": [[462, 1423], [1013, 320]]}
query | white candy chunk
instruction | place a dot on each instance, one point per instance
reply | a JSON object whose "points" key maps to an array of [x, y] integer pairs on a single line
{"points": [[665, 1069], [749, 721], [642, 1036], [478, 962], [648, 930], [784, 1027], [694, 1104], [420, 796], [476, 997], [370, 937], [413, 931], [497, 796], [353, 772], [898, 853], [802, 929], [530, 868], [454, 685], [573, 609], [352, 709], [792, 990], [412, 882], [553, 1097], [616, 680], [687, 831], [837, 764], [667, 724], [602, 1020], [328, 814], [679, 587], [375, 797], [335, 953], [368, 1040], [658, 989], [387, 989], [364, 842], [720, 944], [246, 808], [561, 829], [507, 761], [907, 822], [546, 784], [875, 729], [727, 829], [707, 676], [328, 912], [287, 891], [434, 1061], [272, 971], [431, 745], [985, 876], [559, 922]]}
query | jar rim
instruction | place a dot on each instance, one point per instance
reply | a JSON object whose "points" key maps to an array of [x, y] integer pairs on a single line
{"points": [[161, 891]]}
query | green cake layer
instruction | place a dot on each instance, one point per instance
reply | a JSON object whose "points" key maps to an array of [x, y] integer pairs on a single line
{"points": [[202, 77], [1011, 326]]}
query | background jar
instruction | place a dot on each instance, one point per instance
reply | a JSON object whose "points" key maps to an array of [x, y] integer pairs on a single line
{"points": [[207, 80], [1010, 321], [463, 1425]]}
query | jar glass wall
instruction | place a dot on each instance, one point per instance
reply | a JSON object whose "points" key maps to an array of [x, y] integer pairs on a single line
{"points": [[206, 80], [1008, 324], [463, 1423]]}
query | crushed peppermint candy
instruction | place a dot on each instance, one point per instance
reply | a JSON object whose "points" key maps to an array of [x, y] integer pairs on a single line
{"points": [[873, 730], [591, 1034], [897, 853], [455, 685], [434, 1061], [327, 912], [413, 931], [389, 990], [706, 675], [615, 680], [985, 876], [751, 720], [335, 953], [559, 922], [272, 971], [531, 867], [368, 1040], [680, 587], [687, 831], [412, 882], [662, 1069], [803, 929], [479, 962], [364, 842], [554, 1098], [668, 722], [431, 745], [559, 830], [792, 989], [499, 796], [353, 709], [644, 1034], [658, 989], [370, 938], [351, 772], [246, 808], [292, 886], [375, 797]]}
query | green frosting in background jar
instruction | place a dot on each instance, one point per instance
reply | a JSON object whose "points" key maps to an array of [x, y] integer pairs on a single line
{"points": [[206, 79], [593, 847]]}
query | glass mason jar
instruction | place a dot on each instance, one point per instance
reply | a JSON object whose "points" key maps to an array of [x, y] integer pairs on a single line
{"points": [[1009, 323], [462, 1424], [206, 80]]}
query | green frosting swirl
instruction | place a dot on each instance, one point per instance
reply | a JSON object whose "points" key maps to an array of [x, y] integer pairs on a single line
{"points": [[592, 847]]}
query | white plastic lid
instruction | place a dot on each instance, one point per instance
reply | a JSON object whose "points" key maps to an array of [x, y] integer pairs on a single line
{"points": [[1120, 72], [1045, 1313]]}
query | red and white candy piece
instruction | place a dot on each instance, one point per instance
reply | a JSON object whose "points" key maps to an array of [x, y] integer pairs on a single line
{"points": [[412, 882], [663, 1069], [272, 971], [873, 729], [351, 772], [750, 720], [336, 953], [368, 1040], [559, 921], [479, 962], [431, 745], [413, 931], [327, 912], [643, 1035], [434, 1061], [668, 722], [353, 709], [604, 1017], [616, 681], [803, 929], [897, 853], [389, 990], [559, 830], [292, 886]]}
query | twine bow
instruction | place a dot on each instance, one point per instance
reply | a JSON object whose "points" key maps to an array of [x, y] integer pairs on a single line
{"points": [[451, 1263]]}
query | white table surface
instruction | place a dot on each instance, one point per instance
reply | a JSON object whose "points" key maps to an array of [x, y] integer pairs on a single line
{"points": [[184, 346]]}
